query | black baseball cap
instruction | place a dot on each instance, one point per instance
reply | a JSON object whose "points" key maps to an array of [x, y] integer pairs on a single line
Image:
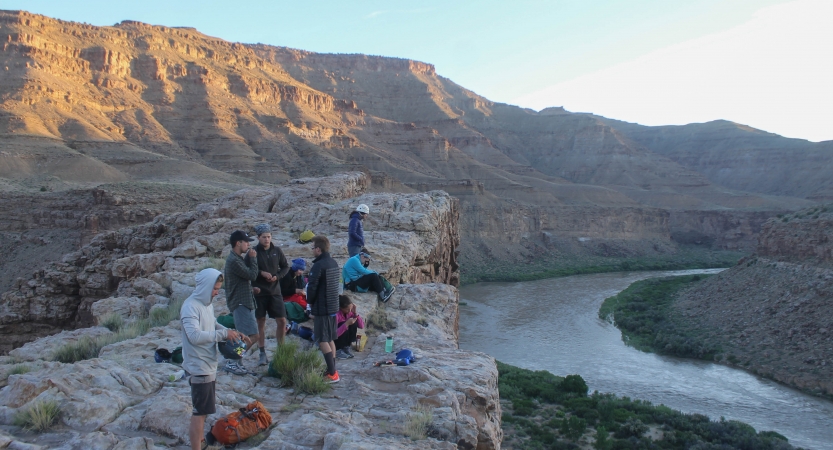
{"points": [[239, 236]]}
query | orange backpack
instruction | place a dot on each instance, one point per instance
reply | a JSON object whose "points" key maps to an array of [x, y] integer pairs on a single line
{"points": [[243, 424]]}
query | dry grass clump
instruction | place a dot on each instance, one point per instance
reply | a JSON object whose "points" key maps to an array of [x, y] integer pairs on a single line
{"points": [[378, 320], [38, 417], [113, 322], [88, 348], [300, 369], [419, 419]]}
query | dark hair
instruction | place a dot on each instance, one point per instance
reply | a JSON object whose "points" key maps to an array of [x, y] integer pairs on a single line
{"points": [[219, 279], [322, 243], [364, 250], [344, 301]]}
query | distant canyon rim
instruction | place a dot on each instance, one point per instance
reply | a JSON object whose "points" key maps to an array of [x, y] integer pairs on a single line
{"points": [[107, 127]]}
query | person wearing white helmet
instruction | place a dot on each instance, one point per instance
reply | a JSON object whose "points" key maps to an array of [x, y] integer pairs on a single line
{"points": [[355, 231]]}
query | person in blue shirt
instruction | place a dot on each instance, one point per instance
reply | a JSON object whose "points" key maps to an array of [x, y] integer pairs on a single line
{"points": [[355, 231], [358, 278]]}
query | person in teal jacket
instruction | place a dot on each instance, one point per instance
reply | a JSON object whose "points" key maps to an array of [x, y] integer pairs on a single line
{"points": [[358, 278]]}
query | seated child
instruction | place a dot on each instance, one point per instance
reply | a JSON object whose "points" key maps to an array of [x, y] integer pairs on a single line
{"points": [[292, 284], [348, 322]]}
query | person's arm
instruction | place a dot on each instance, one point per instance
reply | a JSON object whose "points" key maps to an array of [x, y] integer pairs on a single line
{"points": [[312, 284], [283, 264], [360, 321], [355, 268], [353, 229], [191, 324], [243, 268]]}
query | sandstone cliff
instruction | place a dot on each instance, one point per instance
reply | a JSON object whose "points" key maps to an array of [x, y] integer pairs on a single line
{"points": [[122, 400], [773, 310], [85, 104]]}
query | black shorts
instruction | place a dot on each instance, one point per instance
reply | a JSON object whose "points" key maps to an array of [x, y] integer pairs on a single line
{"points": [[202, 396], [324, 328], [271, 304]]}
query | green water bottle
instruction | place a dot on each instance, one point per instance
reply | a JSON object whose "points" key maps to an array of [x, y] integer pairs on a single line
{"points": [[389, 344]]}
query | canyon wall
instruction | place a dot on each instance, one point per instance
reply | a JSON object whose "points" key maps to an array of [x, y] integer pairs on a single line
{"points": [[773, 311]]}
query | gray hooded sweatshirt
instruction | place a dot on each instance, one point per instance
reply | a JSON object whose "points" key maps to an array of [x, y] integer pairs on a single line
{"points": [[200, 330]]}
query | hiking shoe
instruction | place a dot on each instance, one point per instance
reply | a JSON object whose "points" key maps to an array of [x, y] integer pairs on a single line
{"points": [[341, 354], [386, 294], [235, 368], [262, 361], [334, 378]]}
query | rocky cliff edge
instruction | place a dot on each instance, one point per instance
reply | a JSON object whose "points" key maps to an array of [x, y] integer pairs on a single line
{"points": [[123, 400]]}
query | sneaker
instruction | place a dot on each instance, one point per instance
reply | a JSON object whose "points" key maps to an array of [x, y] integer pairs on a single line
{"points": [[235, 368], [341, 354], [386, 294], [334, 378], [262, 361], [346, 351]]}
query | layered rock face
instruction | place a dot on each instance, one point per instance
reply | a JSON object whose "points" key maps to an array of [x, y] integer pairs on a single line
{"points": [[134, 102], [108, 401], [773, 310], [421, 228]]}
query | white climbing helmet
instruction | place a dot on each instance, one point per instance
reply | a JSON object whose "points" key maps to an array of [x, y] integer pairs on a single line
{"points": [[363, 209]]}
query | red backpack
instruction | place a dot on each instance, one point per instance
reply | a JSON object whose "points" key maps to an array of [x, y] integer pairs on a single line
{"points": [[243, 424]]}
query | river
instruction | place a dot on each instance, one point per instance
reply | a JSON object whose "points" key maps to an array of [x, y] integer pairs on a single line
{"points": [[553, 325]]}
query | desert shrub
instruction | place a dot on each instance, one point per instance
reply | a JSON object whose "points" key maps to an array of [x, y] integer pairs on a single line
{"points": [[19, 369], [378, 320], [83, 348], [643, 312], [574, 384], [38, 417], [214, 263], [112, 322], [301, 369], [419, 419], [88, 348]]}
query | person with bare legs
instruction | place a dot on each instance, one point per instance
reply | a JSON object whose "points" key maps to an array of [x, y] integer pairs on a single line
{"points": [[272, 266], [322, 297]]}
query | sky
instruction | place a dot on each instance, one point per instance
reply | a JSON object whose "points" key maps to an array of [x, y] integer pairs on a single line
{"points": [[762, 63]]}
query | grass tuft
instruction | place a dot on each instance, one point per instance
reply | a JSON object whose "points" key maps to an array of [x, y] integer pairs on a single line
{"points": [[300, 369], [419, 419], [38, 417], [88, 348], [378, 320], [113, 322], [20, 369]]}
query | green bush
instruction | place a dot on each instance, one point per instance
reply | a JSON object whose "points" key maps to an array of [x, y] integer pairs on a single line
{"points": [[38, 417], [301, 369], [644, 313], [627, 419]]}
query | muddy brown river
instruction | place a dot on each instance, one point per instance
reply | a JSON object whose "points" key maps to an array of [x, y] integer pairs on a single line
{"points": [[553, 325]]}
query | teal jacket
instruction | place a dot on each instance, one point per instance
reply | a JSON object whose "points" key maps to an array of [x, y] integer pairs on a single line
{"points": [[353, 269]]}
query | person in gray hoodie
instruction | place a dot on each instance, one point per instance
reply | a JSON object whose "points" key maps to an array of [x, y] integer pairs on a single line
{"points": [[200, 335]]}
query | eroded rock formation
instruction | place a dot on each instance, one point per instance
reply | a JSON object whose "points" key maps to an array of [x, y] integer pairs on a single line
{"points": [[107, 401]]}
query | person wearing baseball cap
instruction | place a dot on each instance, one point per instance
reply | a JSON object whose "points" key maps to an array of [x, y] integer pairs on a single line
{"points": [[239, 272], [355, 231]]}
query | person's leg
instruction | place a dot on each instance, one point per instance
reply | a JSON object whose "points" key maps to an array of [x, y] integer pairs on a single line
{"points": [[279, 314], [195, 431], [347, 338], [245, 322], [321, 331], [371, 282], [202, 399], [354, 250], [260, 317]]}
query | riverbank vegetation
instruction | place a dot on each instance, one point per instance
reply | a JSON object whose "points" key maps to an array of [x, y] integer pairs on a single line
{"points": [[643, 313], [684, 259], [544, 411]]}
